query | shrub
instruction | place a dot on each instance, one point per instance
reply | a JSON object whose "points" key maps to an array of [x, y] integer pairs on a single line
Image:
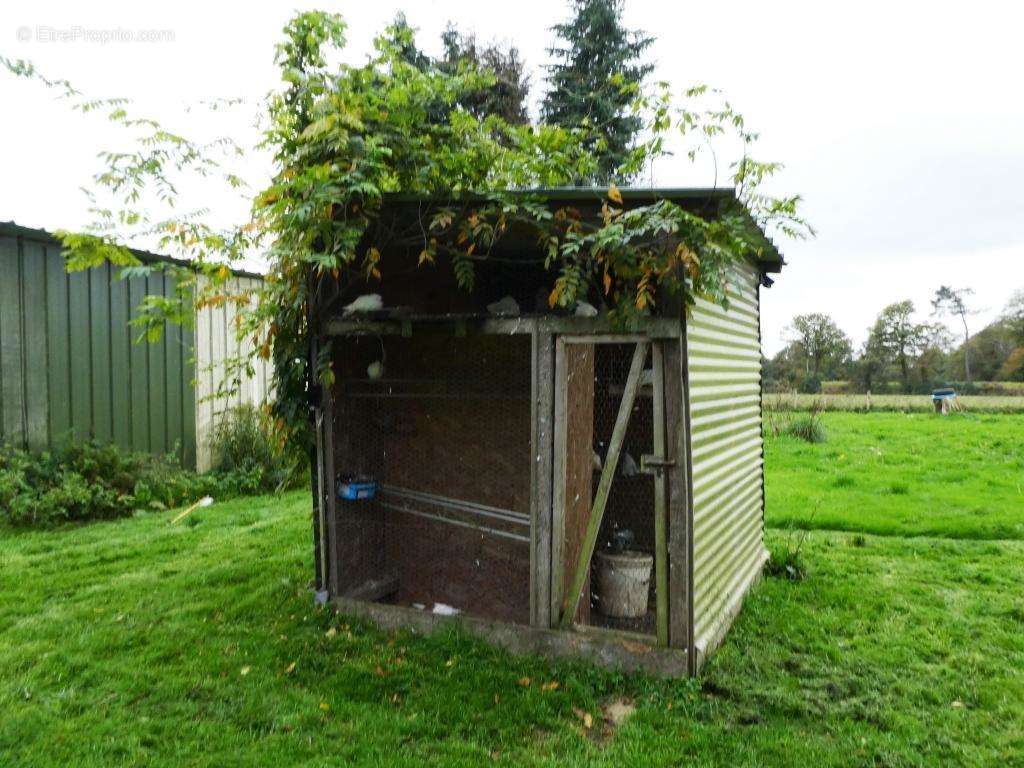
{"points": [[808, 428], [246, 449], [810, 385], [786, 561], [91, 481]]}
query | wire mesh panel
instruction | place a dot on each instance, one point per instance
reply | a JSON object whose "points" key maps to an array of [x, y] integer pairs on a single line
{"points": [[618, 591], [441, 426]]}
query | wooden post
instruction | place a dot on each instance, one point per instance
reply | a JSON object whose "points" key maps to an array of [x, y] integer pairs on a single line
{"points": [[574, 466], [330, 491], [611, 463], [679, 518], [660, 495], [541, 438]]}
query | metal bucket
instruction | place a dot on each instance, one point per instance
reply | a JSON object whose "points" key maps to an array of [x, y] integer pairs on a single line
{"points": [[623, 583]]}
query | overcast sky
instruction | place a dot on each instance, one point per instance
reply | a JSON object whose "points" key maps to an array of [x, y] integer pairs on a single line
{"points": [[901, 123]]}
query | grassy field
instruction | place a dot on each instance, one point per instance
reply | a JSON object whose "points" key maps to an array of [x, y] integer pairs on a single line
{"points": [[961, 476], [139, 643], [891, 403]]}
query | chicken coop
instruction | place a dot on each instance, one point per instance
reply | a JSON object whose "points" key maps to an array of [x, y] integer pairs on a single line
{"points": [[550, 480]]}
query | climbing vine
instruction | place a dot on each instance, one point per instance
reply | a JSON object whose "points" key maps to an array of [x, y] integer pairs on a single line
{"points": [[345, 137]]}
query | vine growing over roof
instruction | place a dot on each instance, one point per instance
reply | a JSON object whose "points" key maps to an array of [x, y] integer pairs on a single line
{"points": [[343, 137]]}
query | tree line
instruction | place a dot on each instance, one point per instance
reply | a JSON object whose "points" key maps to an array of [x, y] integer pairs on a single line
{"points": [[596, 74], [903, 350]]}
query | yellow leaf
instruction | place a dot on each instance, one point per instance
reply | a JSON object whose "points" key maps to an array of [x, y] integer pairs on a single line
{"points": [[290, 668], [588, 721], [426, 257], [244, 671], [324, 706], [614, 194], [552, 686], [375, 273], [607, 283], [524, 681], [330, 633], [553, 298]]}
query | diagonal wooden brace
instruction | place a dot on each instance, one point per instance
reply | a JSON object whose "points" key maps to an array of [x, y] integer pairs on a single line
{"points": [[611, 463]]}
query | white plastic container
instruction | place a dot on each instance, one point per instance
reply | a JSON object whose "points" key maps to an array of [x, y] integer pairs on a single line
{"points": [[623, 583]]}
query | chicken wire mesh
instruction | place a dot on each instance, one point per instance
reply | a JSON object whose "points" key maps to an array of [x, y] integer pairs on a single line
{"points": [[442, 425], [628, 523]]}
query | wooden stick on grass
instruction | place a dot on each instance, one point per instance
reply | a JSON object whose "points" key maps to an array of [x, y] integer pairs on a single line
{"points": [[203, 502]]}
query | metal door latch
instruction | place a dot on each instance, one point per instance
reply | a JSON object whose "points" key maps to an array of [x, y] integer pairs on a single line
{"points": [[654, 465]]}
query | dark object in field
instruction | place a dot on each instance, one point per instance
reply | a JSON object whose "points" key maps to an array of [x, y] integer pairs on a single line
{"points": [[945, 400]]}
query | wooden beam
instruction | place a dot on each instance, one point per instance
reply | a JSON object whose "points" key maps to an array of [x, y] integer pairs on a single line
{"points": [[660, 495], [574, 466], [374, 589], [541, 440], [599, 329], [331, 493], [611, 463], [319, 512], [678, 495]]}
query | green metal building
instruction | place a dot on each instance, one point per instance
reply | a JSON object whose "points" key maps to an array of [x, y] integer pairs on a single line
{"points": [[70, 367]]}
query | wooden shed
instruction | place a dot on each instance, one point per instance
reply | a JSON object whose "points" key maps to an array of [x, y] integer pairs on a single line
{"points": [[511, 459]]}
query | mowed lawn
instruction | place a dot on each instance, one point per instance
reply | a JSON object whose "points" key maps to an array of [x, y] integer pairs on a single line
{"points": [[140, 643], [959, 476]]}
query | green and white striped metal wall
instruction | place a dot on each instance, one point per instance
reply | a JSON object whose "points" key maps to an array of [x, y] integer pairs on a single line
{"points": [[724, 360], [70, 367]]}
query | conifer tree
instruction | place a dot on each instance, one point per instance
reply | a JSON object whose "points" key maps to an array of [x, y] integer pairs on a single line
{"points": [[597, 73]]}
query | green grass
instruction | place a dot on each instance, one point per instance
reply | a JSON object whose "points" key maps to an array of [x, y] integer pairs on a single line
{"points": [[960, 476], [125, 643], [891, 403]]}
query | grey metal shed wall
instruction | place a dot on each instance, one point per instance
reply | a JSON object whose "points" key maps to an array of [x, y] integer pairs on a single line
{"points": [[725, 432], [68, 363]]}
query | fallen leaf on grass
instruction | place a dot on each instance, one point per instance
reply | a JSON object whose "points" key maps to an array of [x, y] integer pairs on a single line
{"points": [[324, 706], [330, 633], [552, 686], [244, 671], [617, 711], [524, 681], [290, 668], [586, 717]]}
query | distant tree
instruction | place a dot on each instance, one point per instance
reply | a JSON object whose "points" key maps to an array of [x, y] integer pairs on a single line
{"points": [[953, 301], [872, 365], [899, 337], [403, 37], [1013, 316], [988, 349], [787, 369], [824, 346], [595, 79], [1012, 368], [931, 367], [507, 97]]}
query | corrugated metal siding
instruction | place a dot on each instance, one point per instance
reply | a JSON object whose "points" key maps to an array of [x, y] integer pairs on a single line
{"points": [[68, 364], [216, 341], [725, 432]]}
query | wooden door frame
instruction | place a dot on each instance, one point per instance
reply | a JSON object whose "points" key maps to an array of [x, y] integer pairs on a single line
{"points": [[665, 447]]}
